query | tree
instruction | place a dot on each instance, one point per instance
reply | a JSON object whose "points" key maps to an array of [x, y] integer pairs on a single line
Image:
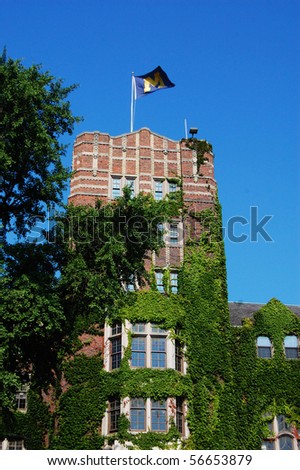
{"points": [[34, 114]]}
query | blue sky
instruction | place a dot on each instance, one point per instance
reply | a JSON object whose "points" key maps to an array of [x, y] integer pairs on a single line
{"points": [[235, 64]]}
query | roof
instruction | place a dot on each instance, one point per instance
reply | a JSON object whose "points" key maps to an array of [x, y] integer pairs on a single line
{"points": [[240, 310]]}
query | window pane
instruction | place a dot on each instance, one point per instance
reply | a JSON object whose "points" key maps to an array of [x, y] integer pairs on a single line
{"points": [[263, 341], [178, 356], [172, 187], [138, 354], [158, 190], [158, 360], [291, 341], [114, 414], [264, 352], [283, 424], [130, 184], [137, 414], [179, 414], [157, 329], [286, 443], [291, 347], [116, 329], [268, 445], [116, 187], [159, 344], [159, 281], [173, 237], [138, 327], [158, 416], [174, 282]]}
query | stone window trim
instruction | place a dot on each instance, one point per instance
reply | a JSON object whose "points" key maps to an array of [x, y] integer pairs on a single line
{"points": [[118, 183], [283, 436], [151, 415], [155, 349], [162, 187]]}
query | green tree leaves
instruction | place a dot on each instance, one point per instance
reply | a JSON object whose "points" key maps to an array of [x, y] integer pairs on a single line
{"points": [[34, 114]]}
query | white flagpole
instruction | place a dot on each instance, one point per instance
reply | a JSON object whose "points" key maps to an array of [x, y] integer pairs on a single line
{"points": [[132, 102]]}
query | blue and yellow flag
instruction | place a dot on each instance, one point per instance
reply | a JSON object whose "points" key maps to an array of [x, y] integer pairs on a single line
{"points": [[152, 81]]}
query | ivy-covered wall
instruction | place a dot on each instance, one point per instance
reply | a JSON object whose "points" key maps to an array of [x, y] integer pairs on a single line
{"points": [[228, 389]]}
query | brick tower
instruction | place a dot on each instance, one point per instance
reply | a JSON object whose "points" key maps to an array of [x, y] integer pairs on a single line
{"points": [[150, 163]]}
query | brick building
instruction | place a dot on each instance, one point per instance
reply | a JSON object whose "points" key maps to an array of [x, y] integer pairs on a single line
{"points": [[149, 163]]}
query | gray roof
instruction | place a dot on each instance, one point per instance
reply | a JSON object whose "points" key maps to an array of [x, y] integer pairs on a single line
{"points": [[240, 310]]}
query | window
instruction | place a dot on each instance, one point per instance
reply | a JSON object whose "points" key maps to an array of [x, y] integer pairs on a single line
{"points": [[264, 347], [116, 329], [158, 415], [15, 445], [157, 329], [148, 346], [130, 286], [180, 415], [137, 414], [113, 414], [116, 188], [158, 190], [172, 187], [283, 435], [118, 183], [130, 183], [21, 399], [173, 234], [178, 356], [159, 281], [138, 327], [174, 282], [138, 352], [116, 346], [158, 352], [291, 347]]}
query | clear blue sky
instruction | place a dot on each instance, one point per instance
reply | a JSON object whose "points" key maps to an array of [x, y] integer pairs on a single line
{"points": [[236, 67]]}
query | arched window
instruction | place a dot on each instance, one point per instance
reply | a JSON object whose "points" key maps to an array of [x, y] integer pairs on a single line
{"points": [[291, 347], [264, 347], [283, 435]]}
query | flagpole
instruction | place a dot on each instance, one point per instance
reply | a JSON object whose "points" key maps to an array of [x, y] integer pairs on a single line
{"points": [[132, 103]]}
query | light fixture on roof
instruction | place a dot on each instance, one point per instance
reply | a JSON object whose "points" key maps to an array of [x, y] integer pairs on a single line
{"points": [[193, 131]]}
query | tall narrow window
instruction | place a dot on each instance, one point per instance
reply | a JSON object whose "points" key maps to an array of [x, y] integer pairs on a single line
{"points": [[116, 187], [172, 187], [138, 352], [174, 282], [173, 234], [158, 415], [159, 281], [291, 347], [158, 190], [116, 346], [130, 286], [180, 414], [264, 347], [178, 356], [113, 414], [158, 352], [130, 183], [137, 414], [21, 399]]}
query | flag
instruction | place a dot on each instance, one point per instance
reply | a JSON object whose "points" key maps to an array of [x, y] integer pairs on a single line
{"points": [[150, 82]]}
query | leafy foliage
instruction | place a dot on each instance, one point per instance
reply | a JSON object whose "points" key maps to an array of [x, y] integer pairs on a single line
{"points": [[34, 113]]}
